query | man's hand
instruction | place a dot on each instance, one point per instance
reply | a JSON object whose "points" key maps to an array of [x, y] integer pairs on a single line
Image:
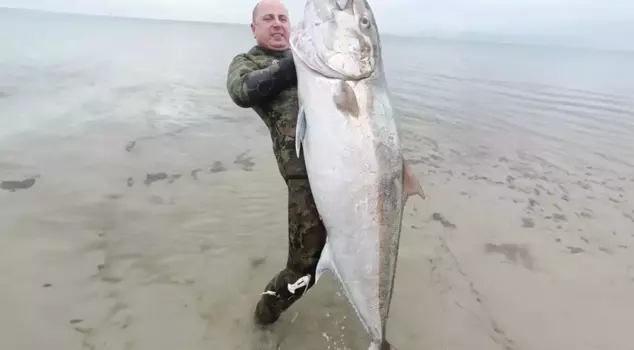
{"points": [[248, 85]]}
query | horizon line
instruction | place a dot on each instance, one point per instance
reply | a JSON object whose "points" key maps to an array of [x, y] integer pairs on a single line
{"points": [[401, 35]]}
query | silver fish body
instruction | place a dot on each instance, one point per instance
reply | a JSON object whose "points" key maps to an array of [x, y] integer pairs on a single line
{"points": [[352, 149]]}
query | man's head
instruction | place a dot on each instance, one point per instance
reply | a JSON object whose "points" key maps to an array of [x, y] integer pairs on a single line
{"points": [[270, 25]]}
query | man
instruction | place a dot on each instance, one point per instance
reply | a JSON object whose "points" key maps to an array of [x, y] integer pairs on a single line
{"points": [[264, 79]]}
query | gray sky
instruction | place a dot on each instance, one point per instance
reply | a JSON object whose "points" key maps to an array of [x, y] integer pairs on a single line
{"points": [[583, 19]]}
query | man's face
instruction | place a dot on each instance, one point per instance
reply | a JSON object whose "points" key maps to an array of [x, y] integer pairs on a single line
{"points": [[271, 26]]}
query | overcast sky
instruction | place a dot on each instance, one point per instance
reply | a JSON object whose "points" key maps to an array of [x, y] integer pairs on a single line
{"points": [[581, 18]]}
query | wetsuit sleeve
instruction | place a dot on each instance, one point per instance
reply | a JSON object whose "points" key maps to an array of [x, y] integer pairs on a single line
{"points": [[249, 86]]}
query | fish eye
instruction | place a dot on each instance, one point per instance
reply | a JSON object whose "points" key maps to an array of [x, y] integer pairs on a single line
{"points": [[365, 22]]}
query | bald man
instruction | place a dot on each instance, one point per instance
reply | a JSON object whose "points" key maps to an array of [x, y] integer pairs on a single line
{"points": [[264, 79]]}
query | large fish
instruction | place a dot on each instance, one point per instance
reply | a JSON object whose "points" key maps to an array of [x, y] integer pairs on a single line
{"points": [[359, 178]]}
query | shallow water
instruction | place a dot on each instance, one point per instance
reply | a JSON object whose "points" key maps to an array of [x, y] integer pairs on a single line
{"points": [[141, 209]]}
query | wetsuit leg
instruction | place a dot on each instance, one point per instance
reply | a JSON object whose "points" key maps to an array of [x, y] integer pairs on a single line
{"points": [[306, 239]]}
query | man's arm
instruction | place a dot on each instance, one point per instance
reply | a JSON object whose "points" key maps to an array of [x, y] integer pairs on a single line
{"points": [[248, 85]]}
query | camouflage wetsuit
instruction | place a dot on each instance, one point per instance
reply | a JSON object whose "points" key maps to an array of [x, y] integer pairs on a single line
{"points": [[265, 81]]}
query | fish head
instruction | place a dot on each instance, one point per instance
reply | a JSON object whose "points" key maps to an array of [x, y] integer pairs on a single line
{"points": [[338, 39]]}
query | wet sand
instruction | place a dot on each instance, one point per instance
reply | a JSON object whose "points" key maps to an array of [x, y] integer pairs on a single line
{"points": [[141, 209], [508, 252]]}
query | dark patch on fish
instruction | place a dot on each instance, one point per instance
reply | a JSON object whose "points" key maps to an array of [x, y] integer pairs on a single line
{"points": [[585, 239], [76, 321], [559, 217], [528, 223], [47, 285], [246, 162], [515, 253], [4, 94], [622, 246], [440, 218], [13, 186], [217, 167], [130, 182], [153, 177], [575, 250]]}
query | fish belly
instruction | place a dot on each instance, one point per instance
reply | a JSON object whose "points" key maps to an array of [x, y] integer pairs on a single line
{"points": [[343, 172]]}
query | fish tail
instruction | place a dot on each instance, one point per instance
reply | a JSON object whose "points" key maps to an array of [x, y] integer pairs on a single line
{"points": [[384, 345]]}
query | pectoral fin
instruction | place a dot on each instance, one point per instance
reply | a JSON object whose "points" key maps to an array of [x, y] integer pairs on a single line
{"points": [[300, 130], [411, 186], [346, 100]]}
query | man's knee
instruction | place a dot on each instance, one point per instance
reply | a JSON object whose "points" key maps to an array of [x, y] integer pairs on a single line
{"points": [[306, 241], [307, 234], [301, 198]]}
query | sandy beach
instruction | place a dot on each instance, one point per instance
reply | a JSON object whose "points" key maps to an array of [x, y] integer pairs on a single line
{"points": [[508, 253], [143, 210]]}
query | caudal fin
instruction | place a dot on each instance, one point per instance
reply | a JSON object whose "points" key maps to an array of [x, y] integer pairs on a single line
{"points": [[385, 345]]}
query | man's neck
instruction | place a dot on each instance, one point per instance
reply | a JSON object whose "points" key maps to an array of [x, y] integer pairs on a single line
{"points": [[278, 53]]}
